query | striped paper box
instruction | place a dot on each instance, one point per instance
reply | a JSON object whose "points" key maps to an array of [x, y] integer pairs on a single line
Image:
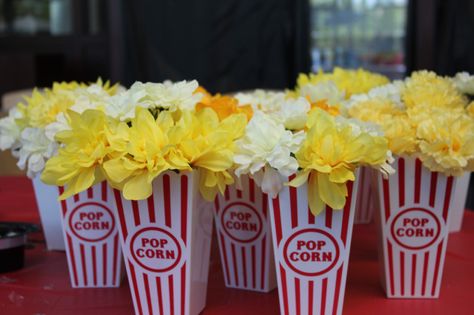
{"points": [[50, 214], [311, 253], [92, 242], [414, 210], [365, 206], [244, 236], [459, 202], [167, 241]]}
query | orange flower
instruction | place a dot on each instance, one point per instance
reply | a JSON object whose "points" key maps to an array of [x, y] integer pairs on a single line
{"points": [[323, 104], [223, 105]]}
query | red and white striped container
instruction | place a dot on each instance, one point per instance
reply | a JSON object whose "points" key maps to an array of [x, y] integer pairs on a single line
{"points": [[92, 242], [459, 202], [311, 252], [50, 214], [244, 234], [166, 243], [365, 206], [414, 210]]}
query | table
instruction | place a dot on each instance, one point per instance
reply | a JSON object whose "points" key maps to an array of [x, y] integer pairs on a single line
{"points": [[42, 287]]}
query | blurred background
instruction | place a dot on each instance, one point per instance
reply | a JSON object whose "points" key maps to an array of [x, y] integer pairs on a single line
{"points": [[227, 45]]}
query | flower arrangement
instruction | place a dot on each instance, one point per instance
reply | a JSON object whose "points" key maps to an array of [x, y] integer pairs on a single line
{"points": [[426, 116]]}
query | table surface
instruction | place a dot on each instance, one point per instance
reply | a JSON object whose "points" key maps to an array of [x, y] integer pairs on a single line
{"points": [[42, 287]]}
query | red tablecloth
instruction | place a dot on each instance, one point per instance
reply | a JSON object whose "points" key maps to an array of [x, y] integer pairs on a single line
{"points": [[42, 287]]}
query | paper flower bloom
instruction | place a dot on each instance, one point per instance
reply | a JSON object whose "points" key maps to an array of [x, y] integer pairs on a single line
{"points": [[464, 82], [293, 113], [223, 105], [265, 101], [10, 131]]}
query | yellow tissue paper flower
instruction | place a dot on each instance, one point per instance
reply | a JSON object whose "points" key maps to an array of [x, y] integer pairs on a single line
{"points": [[223, 105], [85, 147], [329, 156]]}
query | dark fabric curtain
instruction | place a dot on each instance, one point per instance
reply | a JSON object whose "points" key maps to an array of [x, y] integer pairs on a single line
{"points": [[227, 45], [439, 38]]}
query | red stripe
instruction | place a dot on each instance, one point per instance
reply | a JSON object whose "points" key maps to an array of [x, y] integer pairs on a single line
{"points": [[116, 245], [234, 263], [63, 202], [434, 182], [90, 193], [401, 182], [227, 193], [264, 204], [436, 271], [239, 194], [337, 290], [224, 253], [183, 289], [73, 259], [347, 212], [254, 267], [104, 190], [310, 297], [166, 192], [252, 190], [104, 262], [386, 197], [447, 198], [160, 295], [151, 209], [244, 265], [136, 213], [94, 265], [328, 217], [172, 298], [324, 295], [184, 207], [297, 296], [413, 274], [276, 213], [284, 291], [216, 205], [402, 273], [425, 272], [83, 262], [123, 224], [294, 207], [76, 197], [135, 289], [390, 267], [417, 180], [147, 292], [311, 217], [262, 271]]}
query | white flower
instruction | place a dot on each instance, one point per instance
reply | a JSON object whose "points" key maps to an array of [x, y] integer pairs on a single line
{"points": [[326, 90], [293, 113], [267, 143], [35, 149], [391, 91], [9, 130], [92, 97], [265, 101], [464, 82], [122, 106], [53, 128]]}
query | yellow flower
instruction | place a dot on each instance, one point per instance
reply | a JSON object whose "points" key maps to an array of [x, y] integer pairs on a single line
{"points": [[470, 109], [85, 147], [349, 81], [329, 156], [223, 105]]}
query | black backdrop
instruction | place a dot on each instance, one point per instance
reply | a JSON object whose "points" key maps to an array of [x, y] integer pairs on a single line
{"points": [[227, 45]]}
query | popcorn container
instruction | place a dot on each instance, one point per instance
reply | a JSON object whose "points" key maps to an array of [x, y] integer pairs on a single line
{"points": [[92, 241], [311, 252], [365, 207], [50, 214], [459, 202], [414, 211], [167, 241], [244, 234]]}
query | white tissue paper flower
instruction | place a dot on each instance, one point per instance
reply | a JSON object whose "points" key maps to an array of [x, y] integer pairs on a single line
{"points": [[464, 82], [261, 100], [326, 90], [293, 113], [9, 130], [265, 152], [391, 91], [35, 149]]}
